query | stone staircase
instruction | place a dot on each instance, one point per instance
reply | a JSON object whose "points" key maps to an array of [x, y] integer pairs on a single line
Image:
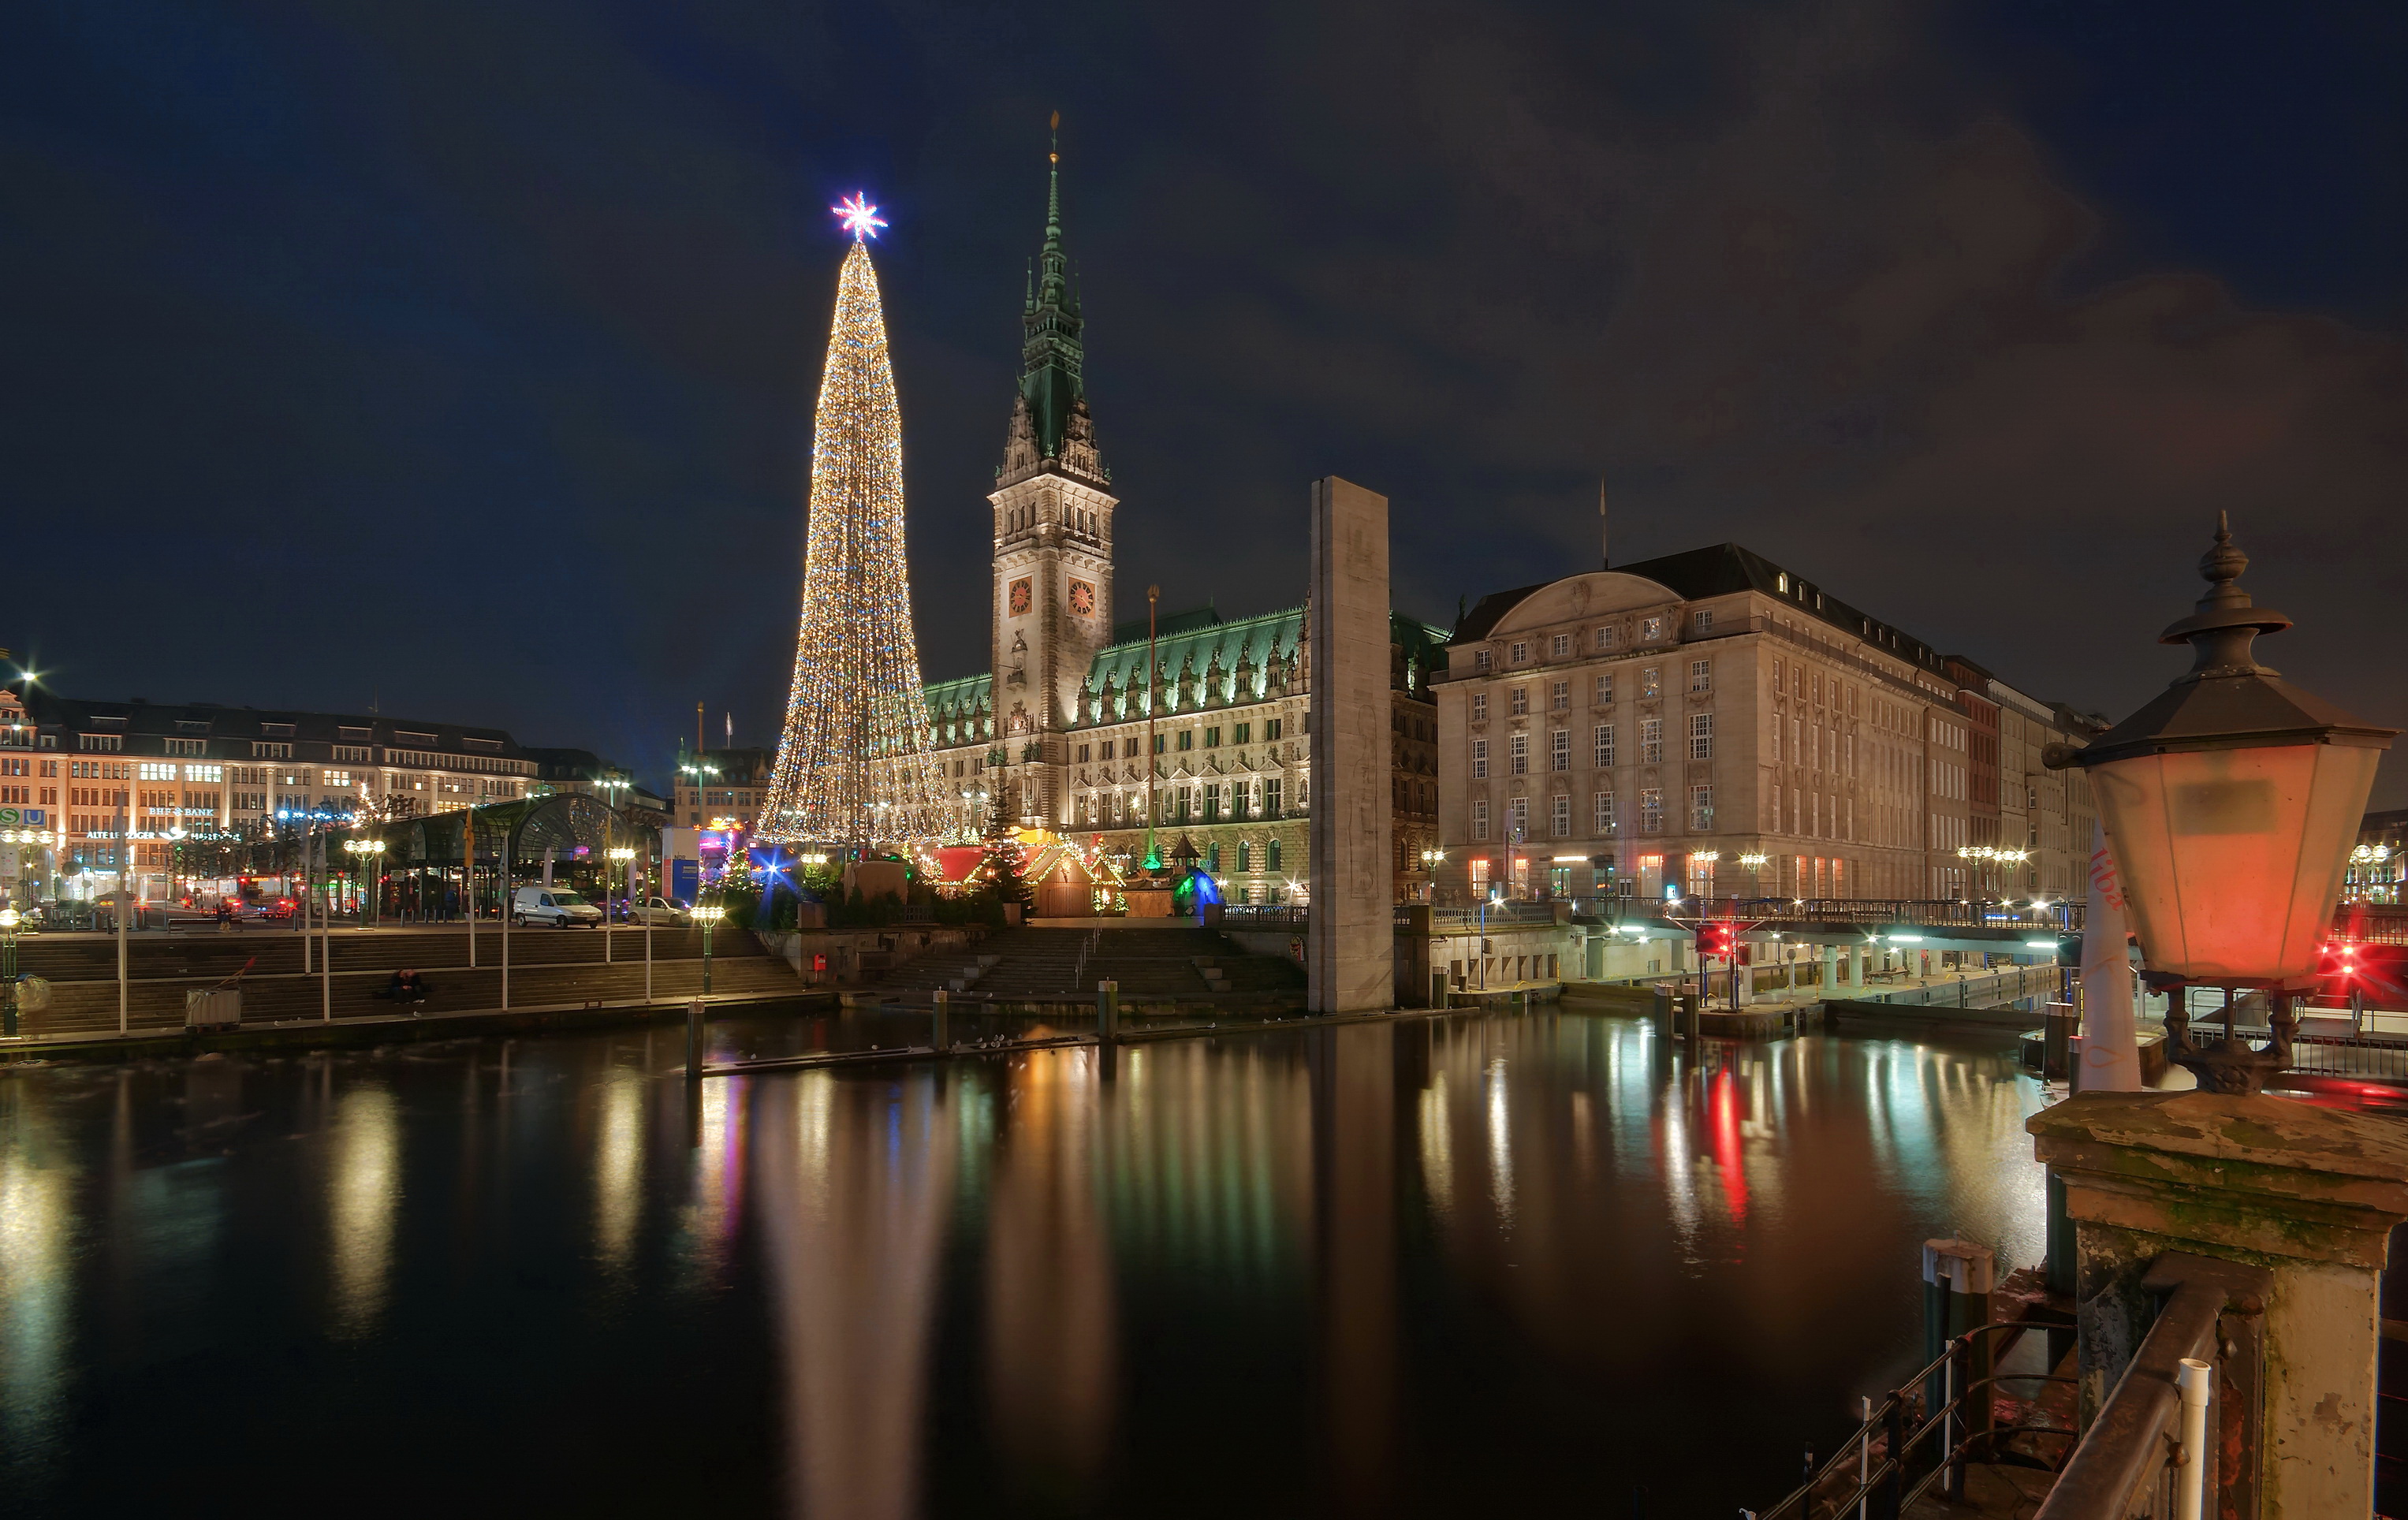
{"points": [[1176, 962]]}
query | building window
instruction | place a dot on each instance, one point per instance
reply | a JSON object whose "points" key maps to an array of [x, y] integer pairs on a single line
{"points": [[1521, 651], [1517, 819], [1702, 620], [271, 752], [1781, 581], [1518, 746], [1271, 856], [1479, 707], [1085, 751], [1560, 816], [1271, 809], [1651, 682], [1271, 729], [1480, 869], [106, 742], [1482, 660], [1701, 675], [1701, 736], [1241, 733], [1187, 738], [1559, 750], [1651, 630], [1651, 810], [1604, 744], [1559, 696], [1601, 807], [1651, 741], [1479, 759], [1605, 637], [1245, 856], [157, 773], [1561, 645], [187, 746], [1701, 810], [1480, 818], [205, 773], [1517, 700]]}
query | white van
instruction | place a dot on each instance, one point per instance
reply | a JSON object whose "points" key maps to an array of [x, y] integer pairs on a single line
{"points": [[555, 906]]}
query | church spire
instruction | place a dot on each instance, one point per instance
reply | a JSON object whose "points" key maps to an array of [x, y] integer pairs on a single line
{"points": [[1053, 389]]}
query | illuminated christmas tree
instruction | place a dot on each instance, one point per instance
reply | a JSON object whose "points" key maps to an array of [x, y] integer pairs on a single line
{"points": [[853, 765]]}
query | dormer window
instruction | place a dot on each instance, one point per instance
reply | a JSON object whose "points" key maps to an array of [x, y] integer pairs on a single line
{"points": [[1521, 651]]}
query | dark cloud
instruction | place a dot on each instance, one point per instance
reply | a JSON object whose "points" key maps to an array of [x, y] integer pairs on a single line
{"points": [[465, 353]]}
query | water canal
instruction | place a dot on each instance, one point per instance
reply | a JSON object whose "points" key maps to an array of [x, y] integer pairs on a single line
{"points": [[1474, 1267]]}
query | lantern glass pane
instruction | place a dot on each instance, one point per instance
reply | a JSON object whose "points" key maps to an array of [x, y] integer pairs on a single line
{"points": [[2231, 859]]}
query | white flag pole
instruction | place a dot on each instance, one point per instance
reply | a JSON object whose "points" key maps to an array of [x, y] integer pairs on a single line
{"points": [[2111, 1053]]}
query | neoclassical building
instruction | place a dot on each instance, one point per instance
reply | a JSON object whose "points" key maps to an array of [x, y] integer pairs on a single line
{"points": [[1082, 726], [1710, 721]]}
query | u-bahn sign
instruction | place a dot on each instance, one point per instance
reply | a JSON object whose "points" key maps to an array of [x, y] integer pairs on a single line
{"points": [[29, 817]]}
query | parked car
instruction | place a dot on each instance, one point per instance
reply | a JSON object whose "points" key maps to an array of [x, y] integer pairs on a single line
{"points": [[556, 906], [658, 911]]}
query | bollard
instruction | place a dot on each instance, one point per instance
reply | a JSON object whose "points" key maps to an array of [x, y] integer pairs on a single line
{"points": [[1438, 989], [941, 1005], [1108, 1010], [1692, 1026], [696, 1040], [1957, 1279], [2056, 1026]]}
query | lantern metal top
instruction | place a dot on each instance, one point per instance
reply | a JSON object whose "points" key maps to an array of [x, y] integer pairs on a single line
{"points": [[2226, 695]]}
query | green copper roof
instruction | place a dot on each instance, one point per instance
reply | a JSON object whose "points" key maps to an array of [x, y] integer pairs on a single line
{"points": [[1051, 353]]}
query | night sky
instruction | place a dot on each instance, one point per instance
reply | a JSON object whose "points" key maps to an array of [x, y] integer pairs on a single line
{"points": [[460, 356]]}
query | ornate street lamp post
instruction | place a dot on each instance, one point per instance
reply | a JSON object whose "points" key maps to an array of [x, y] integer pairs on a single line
{"points": [[2229, 805], [707, 915], [9, 919], [369, 855]]}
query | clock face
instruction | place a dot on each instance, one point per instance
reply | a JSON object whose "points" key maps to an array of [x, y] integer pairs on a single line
{"points": [[1082, 598], [1017, 597]]}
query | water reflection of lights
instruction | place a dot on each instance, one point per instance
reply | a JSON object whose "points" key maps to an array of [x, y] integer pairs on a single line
{"points": [[619, 1167], [719, 1174], [1438, 1147], [35, 1284], [1501, 1143], [364, 1193]]}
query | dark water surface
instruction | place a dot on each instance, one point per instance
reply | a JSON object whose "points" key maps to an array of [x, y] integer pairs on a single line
{"points": [[1477, 1267]]}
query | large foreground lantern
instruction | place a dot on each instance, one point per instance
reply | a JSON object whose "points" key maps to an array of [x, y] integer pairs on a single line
{"points": [[2229, 805]]}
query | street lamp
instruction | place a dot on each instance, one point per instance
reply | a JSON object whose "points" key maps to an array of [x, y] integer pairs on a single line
{"points": [[369, 853], [1753, 860], [707, 915], [2229, 804], [620, 855]]}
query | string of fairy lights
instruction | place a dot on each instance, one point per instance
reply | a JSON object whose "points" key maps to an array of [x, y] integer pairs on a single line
{"points": [[854, 764]]}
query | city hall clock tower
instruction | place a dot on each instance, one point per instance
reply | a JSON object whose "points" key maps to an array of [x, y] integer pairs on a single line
{"points": [[1054, 510]]}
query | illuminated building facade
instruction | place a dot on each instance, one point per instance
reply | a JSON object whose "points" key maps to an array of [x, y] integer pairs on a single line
{"points": [[1709, 723]]}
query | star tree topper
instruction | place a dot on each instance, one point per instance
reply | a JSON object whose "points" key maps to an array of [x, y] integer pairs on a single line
{"points": [[861, 218]]}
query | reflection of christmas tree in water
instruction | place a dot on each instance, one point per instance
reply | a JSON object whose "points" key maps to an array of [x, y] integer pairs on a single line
{"points": [[853, 765]]}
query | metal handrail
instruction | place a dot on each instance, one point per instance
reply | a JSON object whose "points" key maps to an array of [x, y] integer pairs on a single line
{"points": [[1886, 1479]]}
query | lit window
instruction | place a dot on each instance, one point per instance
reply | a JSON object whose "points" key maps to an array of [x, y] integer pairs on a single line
{"points": [[1651, 682], [1651, 810], [1651, 741], [1650, 630], [1701, 809]]}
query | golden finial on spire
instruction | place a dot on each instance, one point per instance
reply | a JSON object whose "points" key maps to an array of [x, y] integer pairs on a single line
{"points": [[1056, 126]]}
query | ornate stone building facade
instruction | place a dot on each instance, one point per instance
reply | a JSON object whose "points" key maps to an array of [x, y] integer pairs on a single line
{"points": [[1055, 735], [1709, 723]]}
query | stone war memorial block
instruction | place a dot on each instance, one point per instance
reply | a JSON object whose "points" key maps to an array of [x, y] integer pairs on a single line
{"points": [[2306, 1196], [1350, 950]]}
